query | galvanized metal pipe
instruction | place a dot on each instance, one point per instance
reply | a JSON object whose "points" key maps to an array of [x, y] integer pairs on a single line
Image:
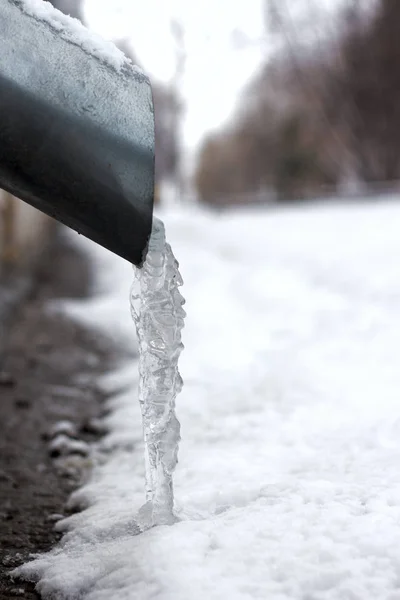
{"points": [[76, 131]]}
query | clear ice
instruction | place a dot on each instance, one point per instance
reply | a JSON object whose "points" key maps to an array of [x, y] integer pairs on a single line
{"points": [[156, 307]]}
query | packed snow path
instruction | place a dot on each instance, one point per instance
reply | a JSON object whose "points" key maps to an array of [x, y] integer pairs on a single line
{"points": [[288, 482]]}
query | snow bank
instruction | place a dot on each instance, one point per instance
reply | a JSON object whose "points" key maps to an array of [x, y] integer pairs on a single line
{"points": [[73, 31], [288, 485]]}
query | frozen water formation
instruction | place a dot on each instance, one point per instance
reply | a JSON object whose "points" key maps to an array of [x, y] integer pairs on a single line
{"points": [[156, 306]]}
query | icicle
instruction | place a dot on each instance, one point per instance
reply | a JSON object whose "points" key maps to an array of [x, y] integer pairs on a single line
{"points": [[156, 306]]}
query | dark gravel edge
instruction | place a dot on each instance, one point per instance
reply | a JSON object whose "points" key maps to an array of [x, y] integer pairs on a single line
{"points": [[48, 373]]}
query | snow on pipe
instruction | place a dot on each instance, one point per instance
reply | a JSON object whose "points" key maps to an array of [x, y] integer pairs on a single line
{"points": [[76, 127]]}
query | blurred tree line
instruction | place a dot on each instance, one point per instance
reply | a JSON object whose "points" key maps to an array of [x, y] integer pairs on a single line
{"points": [[323, 110], [167, 106]]}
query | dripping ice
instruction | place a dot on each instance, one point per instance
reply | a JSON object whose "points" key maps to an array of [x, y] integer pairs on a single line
{"points": [[156, 306]]}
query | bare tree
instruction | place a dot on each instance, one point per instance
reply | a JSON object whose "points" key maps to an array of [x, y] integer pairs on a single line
{"points": [[356, 91], [317, 111], [370, 84]]}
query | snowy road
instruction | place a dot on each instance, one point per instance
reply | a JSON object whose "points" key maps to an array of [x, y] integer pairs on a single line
{"points": [[288, 483]]}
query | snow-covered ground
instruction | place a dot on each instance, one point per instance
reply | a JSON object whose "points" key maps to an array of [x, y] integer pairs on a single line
{"points": [[288, 483]]}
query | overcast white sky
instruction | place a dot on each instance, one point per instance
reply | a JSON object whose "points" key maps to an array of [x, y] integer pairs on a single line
{"points": [[215, 71]]}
